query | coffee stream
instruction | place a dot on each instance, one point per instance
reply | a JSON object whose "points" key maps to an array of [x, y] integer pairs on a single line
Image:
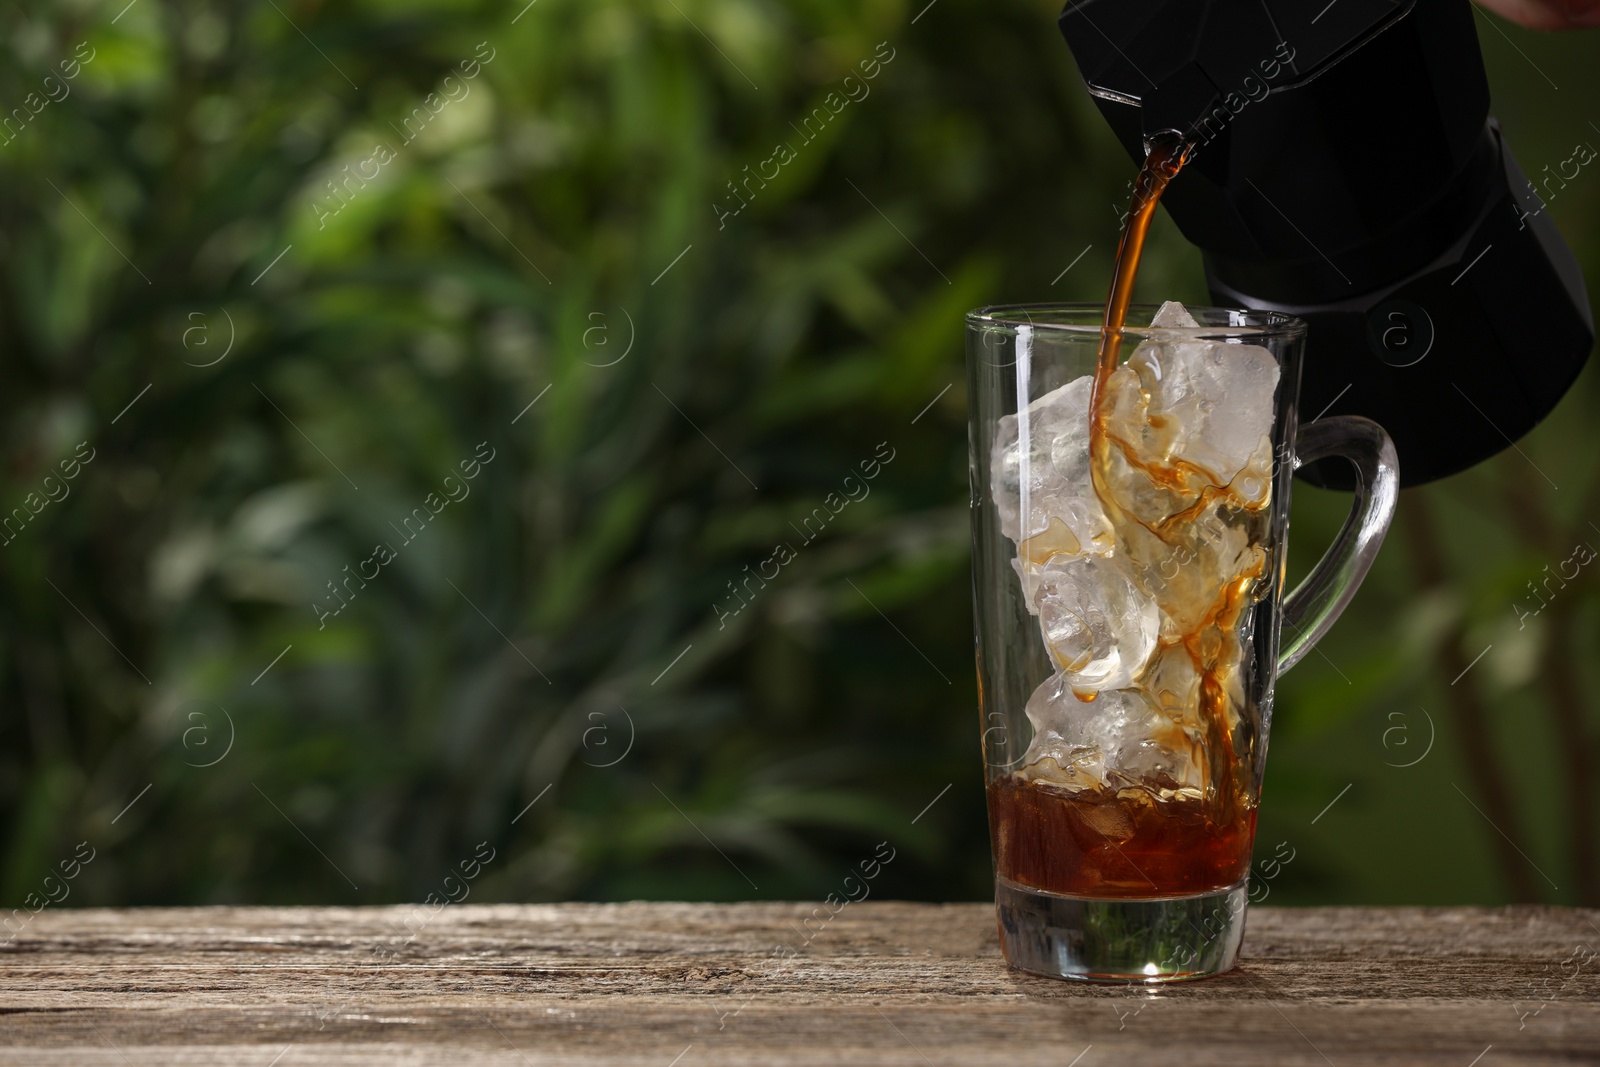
{"points": [[1130, 842], [1167, 155]]}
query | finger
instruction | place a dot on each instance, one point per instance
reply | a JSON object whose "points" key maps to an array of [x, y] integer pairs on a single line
{"points": [[1547, 14]]}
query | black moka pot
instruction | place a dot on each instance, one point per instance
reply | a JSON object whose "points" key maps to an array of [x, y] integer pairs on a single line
{"points": [[1348, 173]]}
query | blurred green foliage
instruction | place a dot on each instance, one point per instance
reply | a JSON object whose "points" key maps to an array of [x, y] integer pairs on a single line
{"points": [[273, 372]]}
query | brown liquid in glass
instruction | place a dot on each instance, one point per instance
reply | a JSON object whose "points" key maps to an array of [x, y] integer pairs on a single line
{"points": [[1126, 843]]}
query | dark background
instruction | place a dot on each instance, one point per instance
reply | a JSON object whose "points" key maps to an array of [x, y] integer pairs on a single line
{"points": [[299, 381]]}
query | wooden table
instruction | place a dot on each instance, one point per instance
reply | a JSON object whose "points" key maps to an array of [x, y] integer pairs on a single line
{"points": [[680, 985]]}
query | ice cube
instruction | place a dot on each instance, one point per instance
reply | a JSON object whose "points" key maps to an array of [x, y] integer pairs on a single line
{"points": [[1119, 738], [1193, 407], [1055, 463], [1065, 749], [1168, 763], [1098, 626], [1198, 569], [1100, 821], [1173, 682], [1143, 484], [1252, 486], [1173, 314]]}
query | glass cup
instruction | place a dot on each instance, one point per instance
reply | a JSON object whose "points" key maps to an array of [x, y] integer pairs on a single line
{"points": [[1131, 620]]}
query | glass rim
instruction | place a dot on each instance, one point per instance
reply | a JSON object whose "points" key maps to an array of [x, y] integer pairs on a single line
{"points": [[1084, 317]]}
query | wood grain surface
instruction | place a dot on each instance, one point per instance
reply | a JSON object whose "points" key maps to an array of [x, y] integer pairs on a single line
{"points": [[681, 985]]}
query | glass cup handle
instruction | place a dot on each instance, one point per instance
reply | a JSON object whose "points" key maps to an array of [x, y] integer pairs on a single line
{"points": [[1317, 602]]}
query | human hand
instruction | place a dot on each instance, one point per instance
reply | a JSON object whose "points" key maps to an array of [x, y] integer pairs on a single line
{"points": [[1548, 14]]}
